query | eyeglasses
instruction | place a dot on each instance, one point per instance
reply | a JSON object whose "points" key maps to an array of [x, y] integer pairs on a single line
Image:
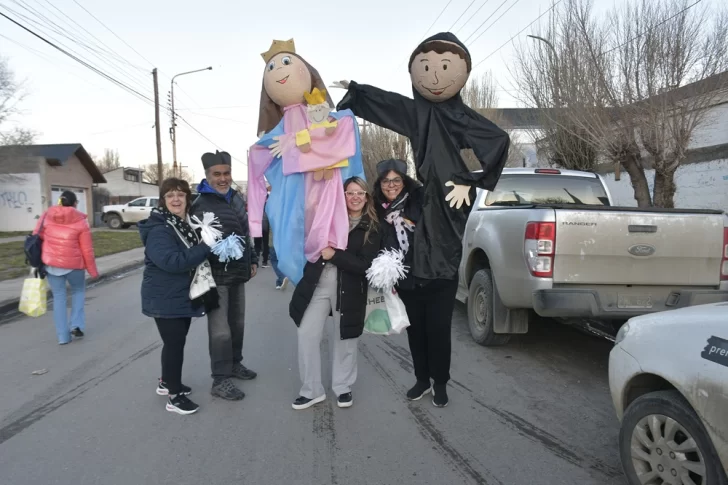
{"points": [[396, 182], [359, 193]]}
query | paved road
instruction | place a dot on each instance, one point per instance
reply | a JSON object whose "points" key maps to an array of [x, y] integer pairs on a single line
{"points": [[535, 412]]}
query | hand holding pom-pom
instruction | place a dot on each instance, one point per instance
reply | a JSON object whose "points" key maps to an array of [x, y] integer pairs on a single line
{"points": [[387, 269], [209, 228]]}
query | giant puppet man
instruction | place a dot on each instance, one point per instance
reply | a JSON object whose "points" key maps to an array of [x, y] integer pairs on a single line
{"points": [[307, 211], [439, 125]]}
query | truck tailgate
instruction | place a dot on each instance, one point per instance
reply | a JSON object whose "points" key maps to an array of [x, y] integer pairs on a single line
{"points": [[625, 246]]}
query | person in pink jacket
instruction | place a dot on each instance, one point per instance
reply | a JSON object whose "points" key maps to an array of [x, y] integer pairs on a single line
{"points": [[67, 254]]}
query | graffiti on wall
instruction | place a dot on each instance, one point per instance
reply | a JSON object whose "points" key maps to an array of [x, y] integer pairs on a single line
{"points": [[21, 201]]}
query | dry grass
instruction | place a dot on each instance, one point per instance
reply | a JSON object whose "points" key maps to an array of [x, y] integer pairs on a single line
{"points": [[12, 256]]}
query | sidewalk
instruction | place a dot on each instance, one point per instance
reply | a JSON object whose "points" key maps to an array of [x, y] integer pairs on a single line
{"points": [[108, 266]]}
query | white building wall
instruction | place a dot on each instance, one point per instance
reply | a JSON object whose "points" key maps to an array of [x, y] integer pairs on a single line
{"points": [[118, 186], [21, 201]]}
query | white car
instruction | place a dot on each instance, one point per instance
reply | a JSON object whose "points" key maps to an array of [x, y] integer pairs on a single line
{"points": [[668, 375]]}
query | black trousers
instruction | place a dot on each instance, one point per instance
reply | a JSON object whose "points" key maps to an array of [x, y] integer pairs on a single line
{"points": [[174, 335], [429, 309], [261, 247]]}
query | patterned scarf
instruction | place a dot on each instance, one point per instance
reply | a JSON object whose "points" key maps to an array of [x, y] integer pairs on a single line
{"points": [[400, 224], [181, 225]]}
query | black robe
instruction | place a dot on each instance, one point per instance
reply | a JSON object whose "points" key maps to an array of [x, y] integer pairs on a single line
{"points": [[437, 132]]}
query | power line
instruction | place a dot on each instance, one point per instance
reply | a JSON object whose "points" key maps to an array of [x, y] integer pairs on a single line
{"points": [[428, 29], [494, 22], [484, 21], [216, 107], [206, 138], [461, 15], [519, 33], [473, 15], [81, 61], [219, 117]]}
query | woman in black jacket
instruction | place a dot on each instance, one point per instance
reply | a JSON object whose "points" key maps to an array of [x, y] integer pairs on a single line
{"points": [[336, 285], [172, 252], [429, 304]]}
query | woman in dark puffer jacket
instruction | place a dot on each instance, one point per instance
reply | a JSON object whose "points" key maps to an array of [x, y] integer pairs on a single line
{"points": [[173, 250], [336, 285]]}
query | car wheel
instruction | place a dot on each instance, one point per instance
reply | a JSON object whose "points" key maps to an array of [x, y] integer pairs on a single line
{"points": [[114, 222], [480, 310], [662, 441]]}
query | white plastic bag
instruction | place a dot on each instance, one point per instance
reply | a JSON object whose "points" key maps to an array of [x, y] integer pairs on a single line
{"points": [[385, 313]]}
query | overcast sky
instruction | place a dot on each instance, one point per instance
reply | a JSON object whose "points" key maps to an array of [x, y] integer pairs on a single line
{"points": [[369, 42]]}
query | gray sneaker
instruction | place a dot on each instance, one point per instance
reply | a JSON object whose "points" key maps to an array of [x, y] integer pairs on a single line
{"points": [[242, 372], [225, 389]]}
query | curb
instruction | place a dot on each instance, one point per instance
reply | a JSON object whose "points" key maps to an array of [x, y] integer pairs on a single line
{"points": [[9, 308]]}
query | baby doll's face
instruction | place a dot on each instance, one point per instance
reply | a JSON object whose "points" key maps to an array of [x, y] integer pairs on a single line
{"points": [[286, 78], [318, 113], [438, 77]]}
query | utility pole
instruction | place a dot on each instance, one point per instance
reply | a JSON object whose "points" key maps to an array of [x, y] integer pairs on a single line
{"points": [[160, 165]]}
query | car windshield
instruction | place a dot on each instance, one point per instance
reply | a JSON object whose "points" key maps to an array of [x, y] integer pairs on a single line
{"points": [[546, 189]]}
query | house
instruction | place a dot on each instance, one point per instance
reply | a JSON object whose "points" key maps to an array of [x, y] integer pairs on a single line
{"points": [[32, 178], [124, 184]]}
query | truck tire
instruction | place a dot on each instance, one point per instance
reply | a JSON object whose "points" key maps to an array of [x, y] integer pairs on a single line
{"points": [[669, 415], [481, 312], [114, 222]]}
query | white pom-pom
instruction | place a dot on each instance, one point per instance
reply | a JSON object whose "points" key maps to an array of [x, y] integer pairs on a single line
{"points": [[208, 228], [387, 269]]}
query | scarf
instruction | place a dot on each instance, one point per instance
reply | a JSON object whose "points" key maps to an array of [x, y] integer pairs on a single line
{"points": [[401, 225], [181, 225]]}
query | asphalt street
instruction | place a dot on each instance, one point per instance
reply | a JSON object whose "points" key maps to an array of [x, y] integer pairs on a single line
{"points": [[534, 412]]}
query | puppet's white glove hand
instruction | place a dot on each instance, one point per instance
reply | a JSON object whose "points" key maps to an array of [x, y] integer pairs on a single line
{"points": [[340, 84], [275, 147], [458, 195]]}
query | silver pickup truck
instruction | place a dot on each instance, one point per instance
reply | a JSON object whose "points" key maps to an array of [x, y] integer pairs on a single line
{"points": [[550, 241]]}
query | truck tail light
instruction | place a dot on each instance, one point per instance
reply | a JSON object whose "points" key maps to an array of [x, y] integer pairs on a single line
{"points": [[540, 247], [724, 263]]}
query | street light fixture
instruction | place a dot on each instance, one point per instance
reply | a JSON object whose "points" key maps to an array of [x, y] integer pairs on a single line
{"points": [[173, 129]]}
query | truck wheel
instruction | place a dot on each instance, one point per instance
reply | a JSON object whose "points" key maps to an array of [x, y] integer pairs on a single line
{"points": [[114, 222], [480, 310], [662, 439]]}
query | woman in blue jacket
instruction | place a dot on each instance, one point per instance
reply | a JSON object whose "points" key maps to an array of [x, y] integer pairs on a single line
{"points": [[173, 250]]}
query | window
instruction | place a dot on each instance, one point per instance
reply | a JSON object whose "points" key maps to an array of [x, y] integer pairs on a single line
{"points": [[131, 176], [138, 203], [547, 189], [153, 202]]}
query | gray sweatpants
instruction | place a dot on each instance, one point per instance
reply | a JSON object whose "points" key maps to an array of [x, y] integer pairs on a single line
{"points": [[226, 329], [310, 333]]}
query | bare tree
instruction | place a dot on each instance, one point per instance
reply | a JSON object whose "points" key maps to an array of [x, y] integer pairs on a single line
{"points": [[630, 87], [379, 144], [480, 93], [150, 173], [11, 94], [110, 161]]}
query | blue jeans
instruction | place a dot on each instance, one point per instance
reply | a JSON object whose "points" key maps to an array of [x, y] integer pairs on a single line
{"points": [[77, 280], [274, 263]]}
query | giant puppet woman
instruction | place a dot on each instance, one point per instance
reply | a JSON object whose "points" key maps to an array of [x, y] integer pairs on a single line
{"points": [[305, 152]]}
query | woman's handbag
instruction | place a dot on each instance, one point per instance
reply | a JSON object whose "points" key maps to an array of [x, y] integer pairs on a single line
{"points": [[385, 313], [202, 281], [34, 297]]}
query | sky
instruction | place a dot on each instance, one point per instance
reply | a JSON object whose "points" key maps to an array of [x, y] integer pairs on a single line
{"points": [[369, 42]]}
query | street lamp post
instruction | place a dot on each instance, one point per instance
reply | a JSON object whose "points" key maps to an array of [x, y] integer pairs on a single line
{"points": [[173, 128], [557, 97]]}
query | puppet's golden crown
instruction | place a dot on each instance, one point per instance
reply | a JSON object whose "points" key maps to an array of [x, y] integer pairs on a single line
{"points": [[317, 96], [277, 47]]}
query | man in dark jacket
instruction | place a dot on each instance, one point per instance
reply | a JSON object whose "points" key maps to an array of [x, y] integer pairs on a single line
{"points": [[226, 325]]}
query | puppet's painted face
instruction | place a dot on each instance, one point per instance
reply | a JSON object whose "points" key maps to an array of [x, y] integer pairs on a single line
{"points": [[318, 113], [438, 77], [286, 78]]}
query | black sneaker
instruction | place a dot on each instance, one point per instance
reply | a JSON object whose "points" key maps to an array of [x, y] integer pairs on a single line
{"points": [[419, 390], [77, 333], [305, 403], [163, 391], [345, 400], [225, 389], [242, 372], [439, 396], [181, 404]]}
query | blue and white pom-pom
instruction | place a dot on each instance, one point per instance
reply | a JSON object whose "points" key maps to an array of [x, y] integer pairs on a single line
{"points": [[229, 249], [387, 269], [209, 228]]}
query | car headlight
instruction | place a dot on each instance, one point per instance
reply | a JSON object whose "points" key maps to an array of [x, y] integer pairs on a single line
{"points": [[622, 333]]}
